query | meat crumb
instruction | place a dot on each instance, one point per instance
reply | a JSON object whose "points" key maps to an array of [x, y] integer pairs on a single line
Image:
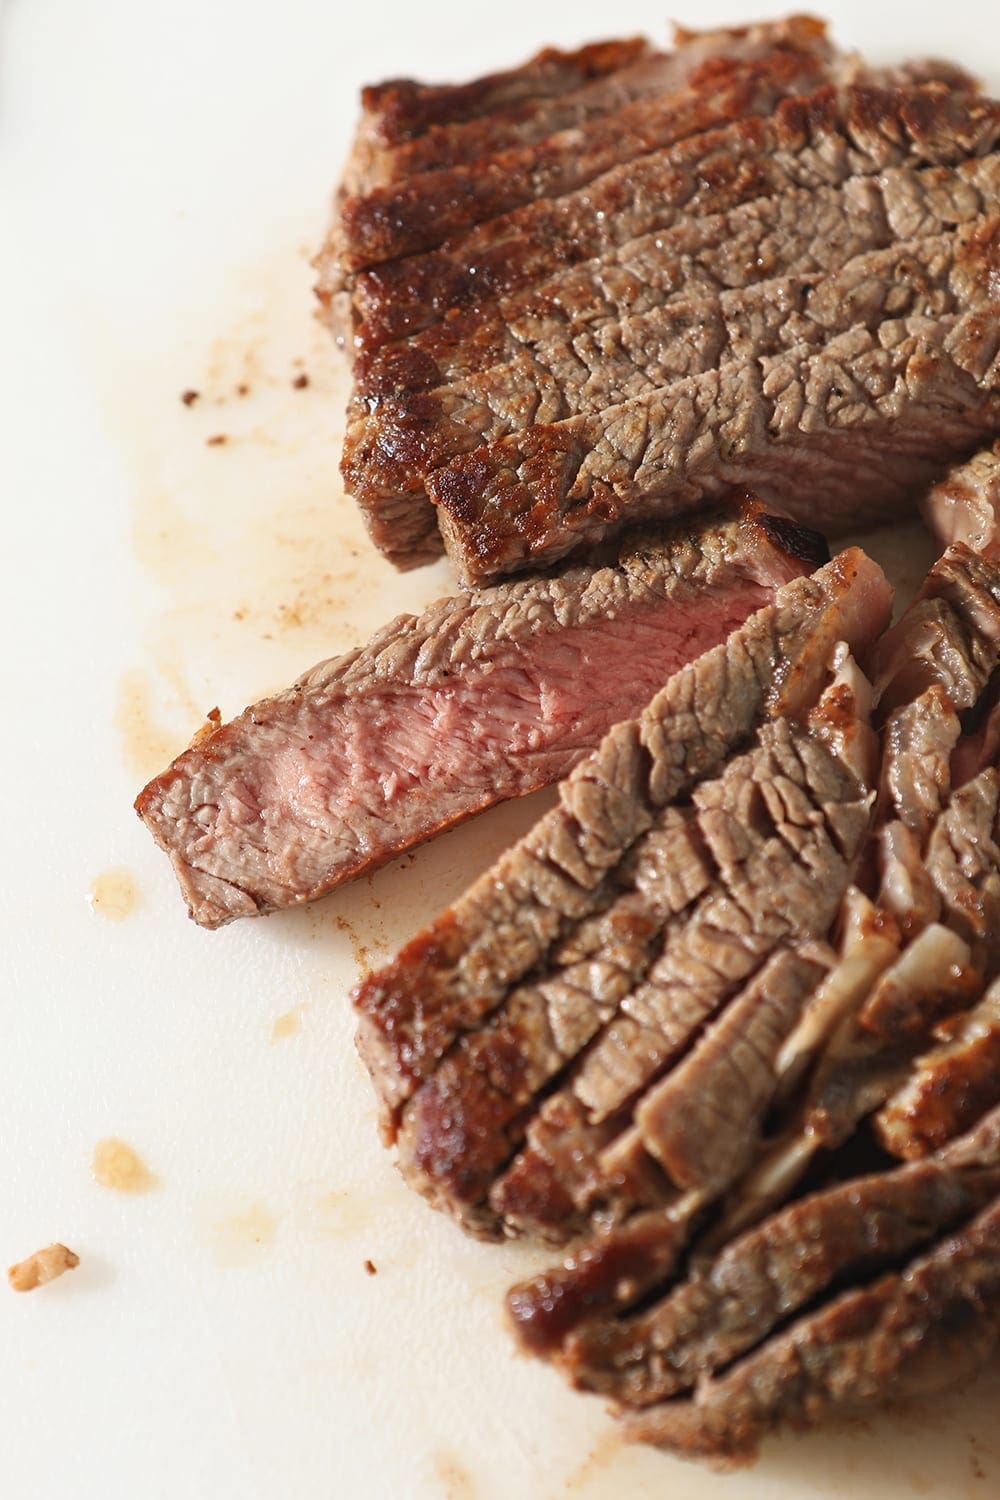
{"points": [[213, 720], [190, 397], [45, 1265], [216, 440], [300, 382], [371, 1268]]}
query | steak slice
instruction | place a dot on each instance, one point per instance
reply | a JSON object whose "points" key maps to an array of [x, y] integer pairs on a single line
{"points": [[950, 1086], [781, 1266], [809, 231], [797, 425], [406, 127], [812, 141], [394, 443], [965, 506], [783, 866], [480, 698], [448, 979], [948, 638], [908, 1334], [743, 76], [765, 823], [963, 866]]}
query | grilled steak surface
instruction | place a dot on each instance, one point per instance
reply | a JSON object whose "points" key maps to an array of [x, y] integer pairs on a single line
{"points": [[782, 961], [480, 698], [559, 257], [449, 978], [911, 1333], [458, 1046]]}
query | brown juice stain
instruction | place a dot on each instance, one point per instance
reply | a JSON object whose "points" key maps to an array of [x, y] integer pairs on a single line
{"points": [[238, 1239], [117, 1166], [287, 1025], [147, 746], [454, 1478], [254, 563], [112, 894], [359, 947], [337, 1214], [603, 1453]]}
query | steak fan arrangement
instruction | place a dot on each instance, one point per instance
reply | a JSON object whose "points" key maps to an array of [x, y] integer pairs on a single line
{"points": [[644, 328]]}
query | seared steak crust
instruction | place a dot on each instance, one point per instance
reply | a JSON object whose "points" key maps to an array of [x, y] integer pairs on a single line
{"points": [[796, 424], [911, 1333], [474, 229], [764, 1276]]}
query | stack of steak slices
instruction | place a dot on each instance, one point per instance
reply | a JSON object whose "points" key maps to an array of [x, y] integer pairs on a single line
{"points": [[608, 285], [704, 1010], [484, 696]]}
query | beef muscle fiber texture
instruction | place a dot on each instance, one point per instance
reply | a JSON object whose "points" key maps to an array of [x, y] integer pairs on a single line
{"points": [[480, 698]]}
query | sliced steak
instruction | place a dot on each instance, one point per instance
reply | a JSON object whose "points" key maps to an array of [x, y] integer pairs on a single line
{"points": [[908, 1334], [407, 127], [963, 866], [480, 698], [765, 1276], [818, 140], [743, 75], [965, 506], [452, 976], [602, 1274], [810, 231], [798, 424], [769, 845], [933, 977], [394, 443], [949, 1088], [918, 743]]}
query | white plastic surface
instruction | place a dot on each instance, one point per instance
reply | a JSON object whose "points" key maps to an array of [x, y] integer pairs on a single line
{"points": [[164, 173]]}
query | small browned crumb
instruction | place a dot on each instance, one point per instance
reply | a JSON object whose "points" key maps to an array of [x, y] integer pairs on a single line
{"points": [[116, 1165], [216, 440], [190, 397], [45, 1265], [242, 389], [300, 382], [213, 719], [371, 1269]]}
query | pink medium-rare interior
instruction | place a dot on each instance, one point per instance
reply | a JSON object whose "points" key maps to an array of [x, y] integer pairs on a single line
{"points": [[348, 774]]}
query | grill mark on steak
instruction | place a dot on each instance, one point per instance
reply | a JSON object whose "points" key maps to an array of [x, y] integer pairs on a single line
{"points": [[449, 978], [798, 425], [478, 699], [393, 443], [423, 211], [766, 1276], [910, 1333]]}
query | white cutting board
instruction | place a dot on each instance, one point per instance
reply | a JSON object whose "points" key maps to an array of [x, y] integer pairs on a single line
{"points": [[164, 171]]}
